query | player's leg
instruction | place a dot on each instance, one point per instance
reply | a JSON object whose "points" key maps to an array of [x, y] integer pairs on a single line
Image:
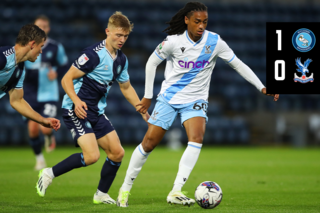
{"points": [[195, 128], [35, 143], [160, 121], [90, 154], [140, 155], [84, 137], [49, 139], [138, 158], [49, 110], [193, 118], [110, 143]]}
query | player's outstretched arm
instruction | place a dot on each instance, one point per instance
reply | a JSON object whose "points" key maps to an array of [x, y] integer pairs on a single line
{"points": [[249, 75], [230, 58], [130, 94], [18, 103], [80, 107]]}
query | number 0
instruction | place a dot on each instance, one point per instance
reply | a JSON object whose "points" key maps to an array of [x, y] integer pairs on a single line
{"points": [[276, 70], [279, 39]]}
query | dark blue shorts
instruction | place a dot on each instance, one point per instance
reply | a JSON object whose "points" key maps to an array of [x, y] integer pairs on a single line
{"points": [[99, 125]]}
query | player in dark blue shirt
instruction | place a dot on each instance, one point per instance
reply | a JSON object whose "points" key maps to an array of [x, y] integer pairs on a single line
{"points": [[28, 47], [41, 90], [87, 85]]}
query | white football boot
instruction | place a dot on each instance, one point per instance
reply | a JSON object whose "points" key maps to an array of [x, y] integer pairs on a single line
{"points": [[178, 197], [123, 197], [103, 199], [44, 181]]}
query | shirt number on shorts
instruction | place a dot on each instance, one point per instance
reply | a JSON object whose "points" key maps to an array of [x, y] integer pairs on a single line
{"points": [[201, 106], [50, 110]]}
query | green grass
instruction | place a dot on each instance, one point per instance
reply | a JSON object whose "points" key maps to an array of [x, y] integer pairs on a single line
{"points": [[252, 179]]}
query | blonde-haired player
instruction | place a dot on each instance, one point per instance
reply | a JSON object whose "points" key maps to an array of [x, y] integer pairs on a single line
{"points": [[87, 85]]}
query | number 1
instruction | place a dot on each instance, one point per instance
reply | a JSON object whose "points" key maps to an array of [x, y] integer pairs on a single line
{"points": [[279, 39]]}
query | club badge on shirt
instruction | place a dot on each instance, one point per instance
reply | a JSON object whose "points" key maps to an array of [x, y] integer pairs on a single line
{"points": [[83, 59]]}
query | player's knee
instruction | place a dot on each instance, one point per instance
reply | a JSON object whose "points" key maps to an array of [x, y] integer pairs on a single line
{"points": [[33, 132], [117, 155], [121, 154], [91, 158], [149, 144], [196, 138], [33, 129]]}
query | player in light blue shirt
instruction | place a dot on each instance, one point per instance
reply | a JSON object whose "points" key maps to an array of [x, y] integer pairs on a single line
{"points": [[87, 85], [28, 47], [41, 90]]}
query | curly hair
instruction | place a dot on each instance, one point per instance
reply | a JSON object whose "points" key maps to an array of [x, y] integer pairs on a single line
{"points": [[177, 24]]}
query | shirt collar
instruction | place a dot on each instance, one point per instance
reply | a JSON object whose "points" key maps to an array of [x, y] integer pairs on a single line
{"points": [[191, 41]]}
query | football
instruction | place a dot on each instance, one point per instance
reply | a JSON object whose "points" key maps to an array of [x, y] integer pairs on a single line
{"points": [[208, 194]]}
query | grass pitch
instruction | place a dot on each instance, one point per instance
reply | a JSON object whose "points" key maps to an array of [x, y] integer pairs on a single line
{"points": [[252, 179]]}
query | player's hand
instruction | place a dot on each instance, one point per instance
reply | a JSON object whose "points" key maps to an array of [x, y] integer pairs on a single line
{"points": [[52, 75], [51, 123], [144, 105], [145, 116], [276, 96], [80, 108]]}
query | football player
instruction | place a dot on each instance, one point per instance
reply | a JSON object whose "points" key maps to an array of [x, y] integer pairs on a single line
{"points": [[191, 53], [87, 85], [28, 46], [41, 90]]}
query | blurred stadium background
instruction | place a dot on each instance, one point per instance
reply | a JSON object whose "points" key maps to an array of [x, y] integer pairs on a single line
{"points": [[238, 114]]}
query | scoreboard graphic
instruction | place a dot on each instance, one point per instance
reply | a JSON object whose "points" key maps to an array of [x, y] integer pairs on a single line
{"points": [[293, 58]]}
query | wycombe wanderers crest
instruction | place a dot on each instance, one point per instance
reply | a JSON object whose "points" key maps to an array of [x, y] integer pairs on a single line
{"points": [[303, 69], [303, 40]]}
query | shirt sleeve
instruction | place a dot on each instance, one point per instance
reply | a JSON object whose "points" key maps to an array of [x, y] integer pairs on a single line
{"points": [[225, 52], [246, 73], [87, 61], [20, 82], [3, 61], [62, 58], [151, 66], [124, 75], [164, 49]]}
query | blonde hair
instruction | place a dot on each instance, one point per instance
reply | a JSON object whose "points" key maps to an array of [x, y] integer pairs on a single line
{"points": [[119, 20]]}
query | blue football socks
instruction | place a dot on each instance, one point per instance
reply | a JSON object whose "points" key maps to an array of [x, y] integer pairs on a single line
{"points": [[108, 173], [72, 162]]}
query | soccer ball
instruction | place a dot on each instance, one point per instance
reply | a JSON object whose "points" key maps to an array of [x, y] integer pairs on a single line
{"points": [[208, 194]]}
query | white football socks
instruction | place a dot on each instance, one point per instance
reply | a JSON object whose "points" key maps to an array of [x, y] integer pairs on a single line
{"points": [[138, 158], [40, 157], [50, 173], [47, 139], [100, 193], [187, 162]]}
